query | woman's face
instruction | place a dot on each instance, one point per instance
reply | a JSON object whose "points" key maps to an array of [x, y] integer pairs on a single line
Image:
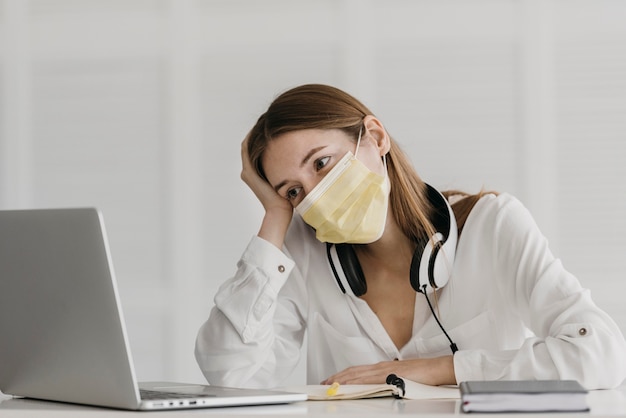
{"points": [[295, 162]]}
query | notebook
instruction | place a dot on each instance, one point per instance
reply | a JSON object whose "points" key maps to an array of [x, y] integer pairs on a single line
{"points": [[408, 389], [63, 336], [523, 396]]}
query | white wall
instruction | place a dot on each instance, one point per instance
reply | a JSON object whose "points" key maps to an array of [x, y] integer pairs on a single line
{"points": [[139, 107]]}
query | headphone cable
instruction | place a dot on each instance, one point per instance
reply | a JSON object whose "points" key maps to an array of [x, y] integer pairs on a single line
{"points": [[453, 346]]}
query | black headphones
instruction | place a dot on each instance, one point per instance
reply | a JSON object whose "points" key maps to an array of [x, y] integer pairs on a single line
{"points": [[431, 264]]}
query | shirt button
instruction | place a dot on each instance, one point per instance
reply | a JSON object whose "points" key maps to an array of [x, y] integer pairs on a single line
{"points": [[281, 268], [582, 331]]}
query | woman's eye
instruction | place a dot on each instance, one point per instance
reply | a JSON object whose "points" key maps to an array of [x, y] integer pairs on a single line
{"points": [[321, 163], [293, 193]]}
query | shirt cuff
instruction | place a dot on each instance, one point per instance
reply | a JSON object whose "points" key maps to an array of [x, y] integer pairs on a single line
{"points": [[467, 366], [273, 262]]}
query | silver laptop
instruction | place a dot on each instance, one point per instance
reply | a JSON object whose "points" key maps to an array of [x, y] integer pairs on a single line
{"points": [[62, 332]]}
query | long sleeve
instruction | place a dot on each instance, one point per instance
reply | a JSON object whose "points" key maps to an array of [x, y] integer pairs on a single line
{"points": [[573, 338], [254, 333]]}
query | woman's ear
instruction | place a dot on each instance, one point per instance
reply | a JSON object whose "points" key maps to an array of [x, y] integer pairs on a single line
{"points": [[376, 131]]}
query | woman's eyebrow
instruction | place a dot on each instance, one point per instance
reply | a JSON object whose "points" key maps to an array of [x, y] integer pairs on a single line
{"points": [[279, 185], [306, 159], [310, 154]]}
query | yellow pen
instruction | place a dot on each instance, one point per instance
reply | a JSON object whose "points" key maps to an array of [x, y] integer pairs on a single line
{"points": [[333, 389]]}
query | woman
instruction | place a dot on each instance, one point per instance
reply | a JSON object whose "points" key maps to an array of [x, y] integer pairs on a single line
{"points": [[384, 275]]}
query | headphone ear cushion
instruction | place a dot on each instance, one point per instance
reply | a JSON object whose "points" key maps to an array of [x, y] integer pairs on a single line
{"points": [[417, 283], [433, 258], [435, 279], [352, 269]]}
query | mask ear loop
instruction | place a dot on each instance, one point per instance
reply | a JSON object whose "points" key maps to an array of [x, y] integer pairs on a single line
{"points": [[358, 142]]}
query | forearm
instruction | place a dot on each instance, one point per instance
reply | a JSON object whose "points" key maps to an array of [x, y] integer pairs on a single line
{"points": [[254, 333], [595, 359], [226, 361], [442, 371], [430, 371], [274, 226]]}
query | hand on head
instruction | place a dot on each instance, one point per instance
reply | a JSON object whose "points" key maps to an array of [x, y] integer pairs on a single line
{"points": [[278, 210]]}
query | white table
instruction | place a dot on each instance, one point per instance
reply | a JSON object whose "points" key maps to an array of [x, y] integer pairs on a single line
{"points": [[609, 403]]}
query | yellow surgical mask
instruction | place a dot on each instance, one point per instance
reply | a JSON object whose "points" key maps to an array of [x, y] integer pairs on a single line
{"points": [[349, 205]]}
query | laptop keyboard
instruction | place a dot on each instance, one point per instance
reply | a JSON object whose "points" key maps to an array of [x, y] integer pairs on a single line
{"points": [[156, 394]]}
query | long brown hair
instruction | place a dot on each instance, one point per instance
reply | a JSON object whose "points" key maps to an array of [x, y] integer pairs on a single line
{"points": [[317, 106]]}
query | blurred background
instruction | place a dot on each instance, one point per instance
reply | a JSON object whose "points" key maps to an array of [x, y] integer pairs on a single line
{"points": [[139, 107]]}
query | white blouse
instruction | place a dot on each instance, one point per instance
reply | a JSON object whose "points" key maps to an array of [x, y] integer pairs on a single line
{"points": [[510, 306]]}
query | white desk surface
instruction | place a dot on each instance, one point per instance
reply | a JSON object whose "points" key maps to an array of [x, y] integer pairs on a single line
{"points": [[607, 403]]}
